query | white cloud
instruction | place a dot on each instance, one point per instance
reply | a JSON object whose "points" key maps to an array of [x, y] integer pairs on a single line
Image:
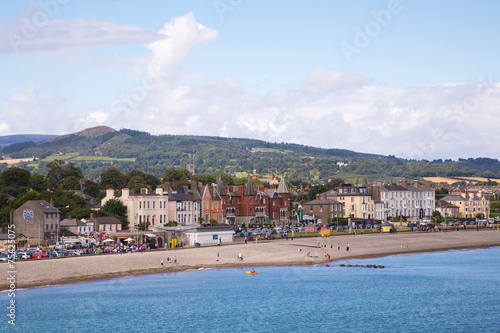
{"points": [[328, 109], [39, 30], [182, 36], [322, 81]]}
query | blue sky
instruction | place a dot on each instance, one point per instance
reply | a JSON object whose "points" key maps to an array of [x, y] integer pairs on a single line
{"points": [[415, 79]]}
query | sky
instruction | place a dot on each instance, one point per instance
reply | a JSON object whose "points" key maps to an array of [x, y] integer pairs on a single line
{"points": [[414, 79]]}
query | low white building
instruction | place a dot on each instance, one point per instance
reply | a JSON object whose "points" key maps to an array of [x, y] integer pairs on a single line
{"points": [[209, 235]]}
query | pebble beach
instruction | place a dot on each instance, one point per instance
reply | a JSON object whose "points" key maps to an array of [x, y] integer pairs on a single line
{"points": [[299, 251]]}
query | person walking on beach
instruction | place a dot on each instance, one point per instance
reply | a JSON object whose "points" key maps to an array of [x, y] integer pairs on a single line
{"points": [[347, 247], [338, 246], [175, 260], [162, 263]]}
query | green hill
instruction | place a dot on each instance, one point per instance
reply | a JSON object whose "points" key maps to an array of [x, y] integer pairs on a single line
{"points": [[97, 149]]}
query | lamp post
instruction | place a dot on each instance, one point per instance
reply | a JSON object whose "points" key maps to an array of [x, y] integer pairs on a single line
{"points": [[58, 225], [39, 234], [136, 228]]}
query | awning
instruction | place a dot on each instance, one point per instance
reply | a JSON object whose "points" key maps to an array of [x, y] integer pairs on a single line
{"points": [[149, 235]]}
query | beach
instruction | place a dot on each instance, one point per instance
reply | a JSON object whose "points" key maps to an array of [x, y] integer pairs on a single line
{"points": [[299, 251]]}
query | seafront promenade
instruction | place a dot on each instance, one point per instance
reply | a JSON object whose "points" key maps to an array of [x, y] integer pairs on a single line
{"points": [[299, 251]]}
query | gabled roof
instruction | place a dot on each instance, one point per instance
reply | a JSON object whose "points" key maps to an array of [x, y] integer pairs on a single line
{"points": [[42, 205], [180, 197], [220, 187], [72, 223], [5, 236], [322, 202], [415, 189], [271, 193], [445, 204], [393, 188], [66, 233], [249, 189], [107, 220], [283, 187], [453, 198], [214, 195]]}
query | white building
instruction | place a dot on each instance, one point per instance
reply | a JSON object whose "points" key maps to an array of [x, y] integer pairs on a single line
{"points": [[184, 209], [209, 235], [414, 201], [142, 207]]}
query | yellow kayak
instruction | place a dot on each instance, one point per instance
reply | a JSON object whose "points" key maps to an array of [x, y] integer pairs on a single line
{"points": [[253, 273]]}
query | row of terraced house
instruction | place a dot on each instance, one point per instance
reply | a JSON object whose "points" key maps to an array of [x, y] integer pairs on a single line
{"points": [[194, 204], [380, 201]]}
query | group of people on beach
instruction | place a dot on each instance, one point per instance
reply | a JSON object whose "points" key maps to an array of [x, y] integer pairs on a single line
{"points": [[169, 260]]}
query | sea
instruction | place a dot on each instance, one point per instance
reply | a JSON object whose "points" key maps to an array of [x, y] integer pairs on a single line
{"points": [[452, 291]]}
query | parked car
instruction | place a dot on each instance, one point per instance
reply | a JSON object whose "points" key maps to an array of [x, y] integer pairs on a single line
{"points": [[21, 254]]}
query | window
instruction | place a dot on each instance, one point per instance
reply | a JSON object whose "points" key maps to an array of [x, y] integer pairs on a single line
{"points": [[46, 227], [140, 204], [216, 205], [160, 204], [153, 205], [220, 218], [161, 220], [206, 205], [110, 227], [148, 204]]}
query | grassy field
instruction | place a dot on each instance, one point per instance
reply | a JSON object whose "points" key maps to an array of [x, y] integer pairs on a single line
{"points": [[480, 179], [270, 150], [16, 160], [102, 158], [442, 180], [76, 157]]}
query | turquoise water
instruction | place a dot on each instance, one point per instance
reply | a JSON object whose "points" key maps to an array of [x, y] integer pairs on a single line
{"points": [[455, 291]]}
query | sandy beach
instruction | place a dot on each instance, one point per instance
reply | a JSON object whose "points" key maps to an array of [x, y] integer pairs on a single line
{"points": [[35, 273]]}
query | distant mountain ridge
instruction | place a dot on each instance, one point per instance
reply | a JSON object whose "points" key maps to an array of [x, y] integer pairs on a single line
{"points": [[97, 149], [7, 140]]}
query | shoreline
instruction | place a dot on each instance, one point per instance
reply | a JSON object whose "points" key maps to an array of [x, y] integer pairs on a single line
{"points": [[72, 270]]}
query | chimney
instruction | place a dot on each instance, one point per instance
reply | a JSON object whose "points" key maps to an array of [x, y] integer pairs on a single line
{"points": [[415, 183], [110, 193]]}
